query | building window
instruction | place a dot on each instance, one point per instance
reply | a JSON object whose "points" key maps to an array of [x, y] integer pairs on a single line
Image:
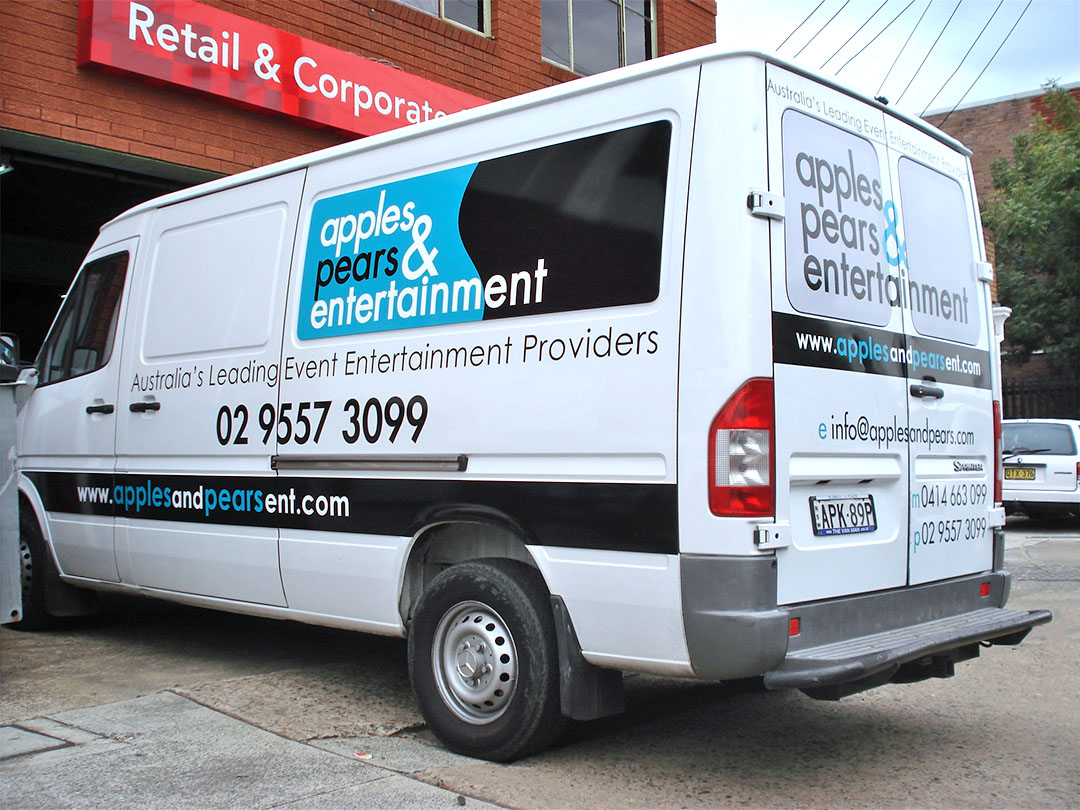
{"points": [[469, 13], [590, 36]]}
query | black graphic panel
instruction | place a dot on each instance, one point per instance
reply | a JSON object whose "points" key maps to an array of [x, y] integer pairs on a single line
{"points": [[592, 209]]}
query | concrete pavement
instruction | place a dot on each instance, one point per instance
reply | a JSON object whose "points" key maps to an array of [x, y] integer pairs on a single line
{"points": [[166, 751]]}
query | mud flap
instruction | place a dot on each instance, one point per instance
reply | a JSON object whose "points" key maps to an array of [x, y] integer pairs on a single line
{"points": [[587, 692]]}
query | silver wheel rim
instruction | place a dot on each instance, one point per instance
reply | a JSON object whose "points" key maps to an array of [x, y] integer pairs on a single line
{"points": [[475, 662]]}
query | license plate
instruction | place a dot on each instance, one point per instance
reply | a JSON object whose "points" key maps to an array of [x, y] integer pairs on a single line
{"points": [[1019, 473], [843, 514]]}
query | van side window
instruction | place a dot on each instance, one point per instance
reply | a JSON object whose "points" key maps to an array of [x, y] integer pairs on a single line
{"points": [[593, 207], [941, 285], [81, 340]]}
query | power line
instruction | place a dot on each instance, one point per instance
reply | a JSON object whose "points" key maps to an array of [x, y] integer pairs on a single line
{"points": [[981, 72], [857, 30], [878, 34], [826, 25], [800, 25], [897, 59], [966, 55], [936, 41]]}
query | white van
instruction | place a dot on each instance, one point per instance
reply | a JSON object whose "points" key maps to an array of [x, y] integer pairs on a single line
{"points": [[683, 369]]}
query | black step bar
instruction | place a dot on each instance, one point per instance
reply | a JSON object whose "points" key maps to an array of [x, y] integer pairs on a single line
{"points": [[926, 650]]}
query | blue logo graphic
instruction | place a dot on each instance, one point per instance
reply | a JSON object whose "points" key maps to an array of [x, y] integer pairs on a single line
{"points": [[389, 257], [897, 257]]}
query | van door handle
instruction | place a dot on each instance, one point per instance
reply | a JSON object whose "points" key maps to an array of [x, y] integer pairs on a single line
{"points": [[142, 407], [918, 390], [99, 408]]}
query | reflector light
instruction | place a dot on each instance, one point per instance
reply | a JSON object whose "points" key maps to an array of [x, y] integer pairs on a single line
{"points": [[742, 466], [998, 474], [984, 589], [794, 627]]}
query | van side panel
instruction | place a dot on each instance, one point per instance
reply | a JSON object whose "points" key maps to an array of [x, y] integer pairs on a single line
{"points": [[726, 299], [490, 316]]}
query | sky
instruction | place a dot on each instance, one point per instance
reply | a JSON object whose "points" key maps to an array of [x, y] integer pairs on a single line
{"points": [[1045, 44]]}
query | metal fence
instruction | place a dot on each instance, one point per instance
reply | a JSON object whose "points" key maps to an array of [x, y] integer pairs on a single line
{"points": [[1045, 397]]}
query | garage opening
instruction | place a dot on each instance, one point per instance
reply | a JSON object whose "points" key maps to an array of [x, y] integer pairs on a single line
{"points": [[54, 196]]}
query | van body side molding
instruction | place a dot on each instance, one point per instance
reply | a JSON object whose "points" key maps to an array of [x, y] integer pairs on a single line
{"points": [[459, 463]]}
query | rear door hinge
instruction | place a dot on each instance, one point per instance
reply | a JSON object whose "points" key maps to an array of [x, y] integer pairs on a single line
{"points": [[769, 536], [765, 204]]}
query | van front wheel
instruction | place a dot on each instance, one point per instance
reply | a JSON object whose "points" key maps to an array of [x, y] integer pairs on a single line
{"points": [[483, 660], [33, 570]]}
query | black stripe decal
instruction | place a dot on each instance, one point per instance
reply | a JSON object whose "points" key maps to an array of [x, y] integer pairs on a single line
{"points": [[818, 343], [615, 517]]}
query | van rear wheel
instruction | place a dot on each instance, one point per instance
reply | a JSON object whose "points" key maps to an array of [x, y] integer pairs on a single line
{"points": [[483, 660]]}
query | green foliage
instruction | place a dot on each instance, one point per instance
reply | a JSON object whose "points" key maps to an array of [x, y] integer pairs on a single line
{"points": [[1035, 220]]}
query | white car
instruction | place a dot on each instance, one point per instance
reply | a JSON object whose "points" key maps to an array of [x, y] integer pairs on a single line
{"points": [[1041, 460]]}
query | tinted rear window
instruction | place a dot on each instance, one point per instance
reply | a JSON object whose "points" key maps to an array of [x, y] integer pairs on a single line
{"points": [[1035, 438], [834, 197], [941, 290]]}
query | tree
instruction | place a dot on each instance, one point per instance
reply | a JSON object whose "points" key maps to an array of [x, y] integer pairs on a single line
{"points": [[1034, 217]]}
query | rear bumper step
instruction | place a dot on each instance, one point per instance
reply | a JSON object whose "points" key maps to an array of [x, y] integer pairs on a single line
{"points": [[832, 671]]}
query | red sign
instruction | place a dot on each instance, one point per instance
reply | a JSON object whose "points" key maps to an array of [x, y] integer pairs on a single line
{"points": [[253, 65]]}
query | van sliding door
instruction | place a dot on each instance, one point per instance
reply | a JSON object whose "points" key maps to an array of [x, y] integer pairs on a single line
{"points": [[200, 366]]}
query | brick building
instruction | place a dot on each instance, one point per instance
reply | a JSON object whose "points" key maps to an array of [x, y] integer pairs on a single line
{"points": [[988, 129], [106, 103]]}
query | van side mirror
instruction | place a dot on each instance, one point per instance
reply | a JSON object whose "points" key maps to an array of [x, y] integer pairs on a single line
{"points": [[9, 357]]}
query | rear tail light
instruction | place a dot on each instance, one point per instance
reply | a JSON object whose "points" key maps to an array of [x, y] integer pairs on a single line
{"points": [[998, 474], [742, 464]]}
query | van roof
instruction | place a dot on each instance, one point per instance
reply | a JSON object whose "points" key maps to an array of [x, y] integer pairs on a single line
{"points": [[679, 61]]}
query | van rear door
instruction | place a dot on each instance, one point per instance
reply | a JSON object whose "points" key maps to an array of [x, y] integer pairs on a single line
{"points": [[840, 397], [946, 308], [883, 417]]}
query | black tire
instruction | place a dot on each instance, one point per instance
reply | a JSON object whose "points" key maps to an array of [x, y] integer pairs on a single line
{"points": [[493, 614], [34, 564]]}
